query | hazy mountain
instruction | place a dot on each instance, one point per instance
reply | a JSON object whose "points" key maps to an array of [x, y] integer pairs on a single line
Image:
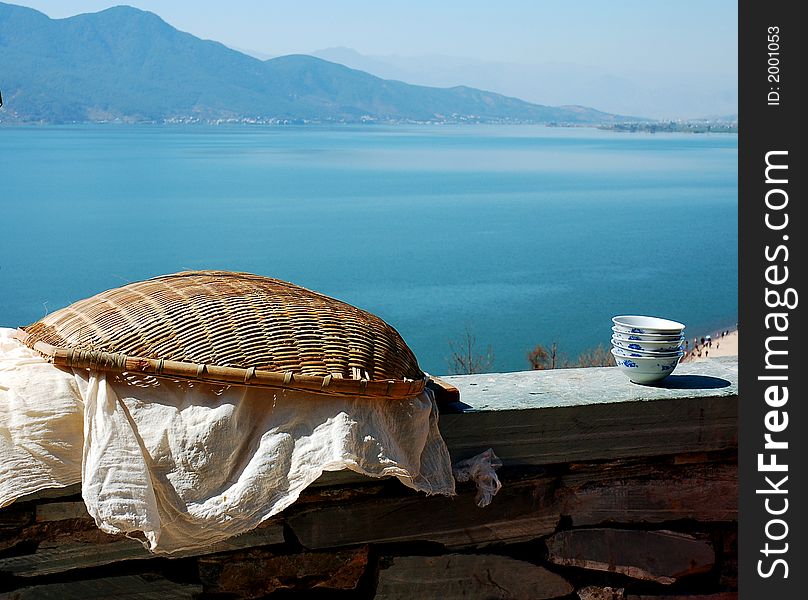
{"points": [[615, 88], [124, 63]]}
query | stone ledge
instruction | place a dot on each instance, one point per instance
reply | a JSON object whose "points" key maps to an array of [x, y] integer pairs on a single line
{"points": [[555, 416], [563, 415], [556, 388]]}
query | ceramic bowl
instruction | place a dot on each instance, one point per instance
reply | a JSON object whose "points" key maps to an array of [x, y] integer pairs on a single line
{"points": [[646, 369], [648, 337], [644, 353], [646, 346], [641, 324]]}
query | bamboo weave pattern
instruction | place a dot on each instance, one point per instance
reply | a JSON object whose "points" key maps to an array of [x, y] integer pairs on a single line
{"points": [[232, 320]]}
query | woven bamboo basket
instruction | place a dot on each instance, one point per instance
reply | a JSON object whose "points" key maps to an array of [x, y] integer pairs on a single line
{"points": [[231, 328]]}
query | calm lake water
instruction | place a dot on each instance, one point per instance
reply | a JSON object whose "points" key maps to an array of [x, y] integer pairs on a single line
{"points": [[519, 234]]}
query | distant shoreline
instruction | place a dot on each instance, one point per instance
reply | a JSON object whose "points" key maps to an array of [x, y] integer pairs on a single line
{"points": [[688, 126], [724, 342], [694, 126]]}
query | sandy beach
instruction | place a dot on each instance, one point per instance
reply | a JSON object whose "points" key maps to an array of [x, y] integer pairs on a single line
{"points": [[726, 345]]}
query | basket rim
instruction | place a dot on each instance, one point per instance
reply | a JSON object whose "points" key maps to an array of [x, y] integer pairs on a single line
{"points": [[116, 362]]}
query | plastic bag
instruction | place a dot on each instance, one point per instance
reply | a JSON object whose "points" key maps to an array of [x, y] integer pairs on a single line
{"points": [[482, 470]]}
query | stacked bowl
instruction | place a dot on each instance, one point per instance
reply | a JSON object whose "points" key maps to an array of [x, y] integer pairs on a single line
{"points": [[647, 349]]}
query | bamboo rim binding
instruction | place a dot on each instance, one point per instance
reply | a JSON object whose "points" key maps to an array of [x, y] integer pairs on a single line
{"points": [[113, 362]]}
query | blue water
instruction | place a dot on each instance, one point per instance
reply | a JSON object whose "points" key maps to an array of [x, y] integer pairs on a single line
{"points": [[518, 234]]}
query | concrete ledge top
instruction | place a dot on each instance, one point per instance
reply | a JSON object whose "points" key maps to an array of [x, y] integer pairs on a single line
{"points": [[715, 377]]}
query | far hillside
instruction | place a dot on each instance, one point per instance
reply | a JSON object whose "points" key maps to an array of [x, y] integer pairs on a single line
{"points": [[124, 64]]}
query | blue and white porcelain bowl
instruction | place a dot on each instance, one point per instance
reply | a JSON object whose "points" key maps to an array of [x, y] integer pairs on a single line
{"points": [[646, 346], [645, 325], [646, 369], [649, 337], [644, 353]]}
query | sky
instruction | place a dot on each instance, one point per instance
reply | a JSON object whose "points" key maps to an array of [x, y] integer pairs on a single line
{"points": [[688, 41]]}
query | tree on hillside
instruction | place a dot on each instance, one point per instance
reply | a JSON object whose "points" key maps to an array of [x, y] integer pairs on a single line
{"points": [[542, 358], [465, 360], [596, 357], [550, 358]]}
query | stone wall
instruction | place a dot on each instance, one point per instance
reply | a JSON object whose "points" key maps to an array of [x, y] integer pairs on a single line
{"points": [[609, 490]]}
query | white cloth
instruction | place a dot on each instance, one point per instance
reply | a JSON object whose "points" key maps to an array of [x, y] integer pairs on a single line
{"points": [[190, 464]]}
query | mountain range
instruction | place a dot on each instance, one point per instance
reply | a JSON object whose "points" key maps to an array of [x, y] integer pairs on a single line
{"points": [[125, 64], [612, 87]]}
